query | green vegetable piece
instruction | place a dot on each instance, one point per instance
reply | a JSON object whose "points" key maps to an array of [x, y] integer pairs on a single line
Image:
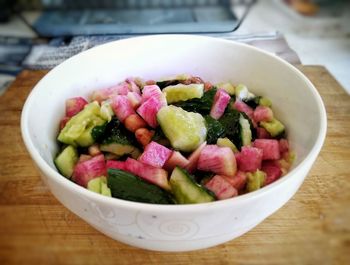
{"points": [[246, 133], [127, 186], [214, 129], [230, 122], [201, 105], [66, 160], [228, 87], [114, 138], [186, 190], [274, 127], [255, 180], [79, 123], [106, 111], [225, 142], [182, 92], [99, 185], [265, 102], [173, 80], [185, 130]]}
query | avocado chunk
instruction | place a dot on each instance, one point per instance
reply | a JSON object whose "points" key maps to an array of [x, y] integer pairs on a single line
{"points": [[66, 160], [78, 129]]}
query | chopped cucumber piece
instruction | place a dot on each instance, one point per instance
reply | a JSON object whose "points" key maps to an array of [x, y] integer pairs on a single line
{"points": [[228, 87], [265, 102], [118, 149], [225, 142], [274, 127], [246, 133], [182, 92], [79, 123], [186, 190], [66, 160], [185, 130], [255, 180], [242, 92], [99, 185], [127, 186]]}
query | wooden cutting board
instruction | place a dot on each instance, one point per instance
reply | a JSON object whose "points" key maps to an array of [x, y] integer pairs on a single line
{"points": [[312, 228]]}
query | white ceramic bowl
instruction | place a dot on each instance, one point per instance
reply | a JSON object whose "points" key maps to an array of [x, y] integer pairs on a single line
{"points": [[175, 227]]}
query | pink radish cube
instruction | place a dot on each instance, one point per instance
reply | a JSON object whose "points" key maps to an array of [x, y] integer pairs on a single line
{"points": [[238, 181], [273, 172], [155, 155], [262, 113], [157, 176], [135, 99], [270, 148], [284, 145], [122, 107], [133, 86], [219, 160], [221, 187], [149, 109], [176, 159], [150, 91], [115, 164], [221, 100], [262, 133], [106, 93], [74, 105], [242, 107], [86, 170], [250, 159], [193, 158]]}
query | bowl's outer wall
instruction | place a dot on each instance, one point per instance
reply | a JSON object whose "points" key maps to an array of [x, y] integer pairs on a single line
{"points": [[295, 103]]}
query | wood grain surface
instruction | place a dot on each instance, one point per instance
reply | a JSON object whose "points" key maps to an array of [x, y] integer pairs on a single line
{"points": [[312, 228]]}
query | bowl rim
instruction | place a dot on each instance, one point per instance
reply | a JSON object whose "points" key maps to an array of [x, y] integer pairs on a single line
{"points": [[68, 184]]}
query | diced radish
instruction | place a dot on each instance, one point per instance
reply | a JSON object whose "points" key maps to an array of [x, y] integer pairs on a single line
{"points": [[155, 155], [176, 159], [193, 158], [250, 159], [74, 105], [262, 113], [115, 164], [149, 109], [242, 107], [89, 169], [144, 136], [63, 122], [150, 91], [83, 157], [134, 122], [94, 150], [106, 93], [135, 99], [133, 86], [270, 148], [284, 145], [150, 82], [238, 181], [221, 100], [221, 187], [157, 176], [273, 172], [122, 107], [262, 133], [219, 160]]}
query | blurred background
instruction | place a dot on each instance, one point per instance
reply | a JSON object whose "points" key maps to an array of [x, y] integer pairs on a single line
{"points": [[40, 34]]}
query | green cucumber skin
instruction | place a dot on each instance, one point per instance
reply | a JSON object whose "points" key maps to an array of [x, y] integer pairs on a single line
{"points": [[127, 186], [186, 190], [66, 160]]}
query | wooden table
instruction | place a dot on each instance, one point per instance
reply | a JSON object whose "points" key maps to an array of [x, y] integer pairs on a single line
{"points": [[312, 228]]}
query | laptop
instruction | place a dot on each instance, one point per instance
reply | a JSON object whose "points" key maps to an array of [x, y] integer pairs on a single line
{"points": [[80, 17]]}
